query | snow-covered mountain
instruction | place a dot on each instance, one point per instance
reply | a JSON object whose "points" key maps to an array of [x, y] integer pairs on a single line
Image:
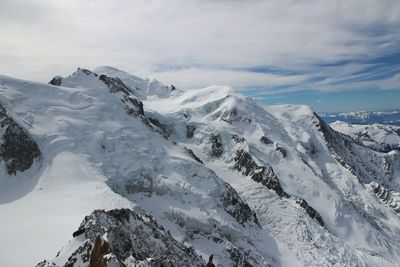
{"points": [[384, 138], [364, 117], [108, 169]]}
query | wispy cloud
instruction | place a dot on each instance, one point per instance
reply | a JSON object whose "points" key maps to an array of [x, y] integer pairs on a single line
{"points": [[269, 46]]}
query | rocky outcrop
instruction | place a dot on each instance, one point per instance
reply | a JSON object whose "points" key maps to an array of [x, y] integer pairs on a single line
{"points": [[157, 126], [234, 115], [191, 153], [231, 116], [241, 257], [102, 256], [387, 168], [132, 104], [124, 237], [264, 139], [216, 146], [236, 207], [56, 81], [310, 211], [17, 149], [190, 128], [238, 139], [245, 164], [281, 150], [340, 146], [387, 196]]}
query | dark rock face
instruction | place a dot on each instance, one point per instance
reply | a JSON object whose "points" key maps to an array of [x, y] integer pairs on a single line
{"points": [[388, 197], [210, 261], [216, 146], [191, 153], [115, 84], [157, 126], [45, 263], [267, 177], [234, 115], [236, 207], [339, 144], [242, 258], [81, 254], [87, 72], [281, 150], [101, 255], [231, 116], [56, 81], [17, 149], [387, 167], [132, 105], [237, 139], [190, 128], [264, 175], [238, 258], [266, 140], [310, 211], [130, 236], [245, 164]]}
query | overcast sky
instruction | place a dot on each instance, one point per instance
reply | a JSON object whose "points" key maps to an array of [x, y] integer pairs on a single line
{"points": [[320, 53]]}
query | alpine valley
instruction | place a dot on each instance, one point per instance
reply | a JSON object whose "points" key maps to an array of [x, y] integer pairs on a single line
{"points": [[102, 168]]}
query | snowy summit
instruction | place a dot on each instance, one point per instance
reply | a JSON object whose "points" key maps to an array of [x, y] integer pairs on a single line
{"points": [[103, 168]]}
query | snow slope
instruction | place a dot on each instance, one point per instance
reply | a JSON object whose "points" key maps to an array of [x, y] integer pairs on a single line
{"points": [[250, 184], [380, 137], [96, 155]]}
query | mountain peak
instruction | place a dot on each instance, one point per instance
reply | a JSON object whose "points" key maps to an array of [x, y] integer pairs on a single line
{"points": [[206, 174]]}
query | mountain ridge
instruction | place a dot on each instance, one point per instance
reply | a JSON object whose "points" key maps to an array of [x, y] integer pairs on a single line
{"points": [[112, 141]]}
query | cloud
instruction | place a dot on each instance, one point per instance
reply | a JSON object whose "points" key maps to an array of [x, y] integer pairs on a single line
{"points": [[316, 45], [198, 77]]}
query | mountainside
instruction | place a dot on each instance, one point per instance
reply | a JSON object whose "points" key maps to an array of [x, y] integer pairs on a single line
{"points": [[133, 172], [384, 138], [364, 117]]}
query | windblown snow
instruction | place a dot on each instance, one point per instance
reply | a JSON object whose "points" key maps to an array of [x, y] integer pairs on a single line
{"points": [[190, 173]]}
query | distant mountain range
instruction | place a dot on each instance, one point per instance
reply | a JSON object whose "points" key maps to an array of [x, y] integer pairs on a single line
{"points": [[391, 117], [379, 130], [384, 138]]}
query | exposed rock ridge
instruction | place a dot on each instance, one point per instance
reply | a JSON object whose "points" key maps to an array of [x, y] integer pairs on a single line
{"points": [[340, 146], [216, 146], [236, 207], [387, 196], [245, 164], [131, 103], [364, 163], [17, 149], [124, 237]]}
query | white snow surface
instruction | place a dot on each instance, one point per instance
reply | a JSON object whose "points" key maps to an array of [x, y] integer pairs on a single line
{"points": [[92, 148], [376, 136]]}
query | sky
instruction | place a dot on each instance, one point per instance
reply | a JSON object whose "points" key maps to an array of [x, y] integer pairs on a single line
{"points": [[332, 55]]}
